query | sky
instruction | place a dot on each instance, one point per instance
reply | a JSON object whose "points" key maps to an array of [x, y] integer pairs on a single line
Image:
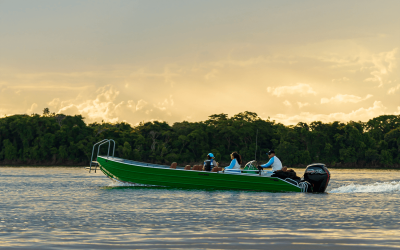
{"points": [[133, 61]]}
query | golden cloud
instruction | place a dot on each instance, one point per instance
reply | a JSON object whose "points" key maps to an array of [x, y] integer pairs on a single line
{"points": [[299, 88], [361, 114], [340, 98]]}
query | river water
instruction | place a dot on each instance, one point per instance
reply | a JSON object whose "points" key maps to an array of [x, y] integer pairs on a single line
{"points": [[68, 208]]}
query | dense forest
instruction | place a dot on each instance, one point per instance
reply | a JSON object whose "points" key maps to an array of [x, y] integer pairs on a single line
{"points": [[56, 139]]}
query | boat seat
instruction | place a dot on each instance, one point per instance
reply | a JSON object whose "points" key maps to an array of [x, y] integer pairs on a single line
{"points": [[173, 165], [197, 167], [188, 167], [216, 169]]}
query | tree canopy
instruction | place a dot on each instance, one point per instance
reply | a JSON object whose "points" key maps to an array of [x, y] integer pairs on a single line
{"points": [[67, 140]]}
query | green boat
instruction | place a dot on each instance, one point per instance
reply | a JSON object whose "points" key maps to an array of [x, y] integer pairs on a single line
{"points": [[134, 172]]}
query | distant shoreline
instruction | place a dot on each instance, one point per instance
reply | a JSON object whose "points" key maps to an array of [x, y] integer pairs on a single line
{"points": [[62, 140]]}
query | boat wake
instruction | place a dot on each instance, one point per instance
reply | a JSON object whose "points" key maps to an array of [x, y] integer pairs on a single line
{"points": [[122, 184], [378, 187], [117, 183]]}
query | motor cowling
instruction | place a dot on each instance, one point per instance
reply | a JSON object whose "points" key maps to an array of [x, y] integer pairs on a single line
{"points": [[318, 176]]}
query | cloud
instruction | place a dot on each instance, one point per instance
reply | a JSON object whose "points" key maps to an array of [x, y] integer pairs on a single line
{"points": [[393, 90], [287, 103], [70, 110], [106, 94], [32, 109], [211, 74], [343, 79], [141, 104], [3, 113], [101, 108], [339, 98], [347, 57], [107, 107], [362, 114], [163, 105], [299, 88], [302, 104], [55, 103], [383, 64], [398, 111], [141, 92], [242, 63]]}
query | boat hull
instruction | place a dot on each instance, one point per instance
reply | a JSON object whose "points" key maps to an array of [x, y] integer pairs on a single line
{"points": [[149, 174]]}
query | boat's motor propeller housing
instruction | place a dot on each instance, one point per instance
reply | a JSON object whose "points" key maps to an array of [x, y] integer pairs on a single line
{"points": [[318, 176]]}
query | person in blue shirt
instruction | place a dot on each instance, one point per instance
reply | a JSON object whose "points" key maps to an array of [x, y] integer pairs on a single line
{"points": [[273, 162], [234, 167]]}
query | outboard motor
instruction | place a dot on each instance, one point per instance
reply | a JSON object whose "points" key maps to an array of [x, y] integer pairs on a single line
{"points": [[318, 176]]}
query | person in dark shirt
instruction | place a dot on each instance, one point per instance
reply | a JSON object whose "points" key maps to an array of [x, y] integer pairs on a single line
{"points": [[209, 163]]}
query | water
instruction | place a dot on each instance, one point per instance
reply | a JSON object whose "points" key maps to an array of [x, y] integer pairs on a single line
{"points": [[68, 208]]}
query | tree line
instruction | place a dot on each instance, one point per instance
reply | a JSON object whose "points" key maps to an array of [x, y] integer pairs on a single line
{"points": [[56, 139]]}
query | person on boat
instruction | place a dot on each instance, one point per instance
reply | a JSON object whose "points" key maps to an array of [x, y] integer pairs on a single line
{"points": [[273, 162], [209, 163], [235, 163]]}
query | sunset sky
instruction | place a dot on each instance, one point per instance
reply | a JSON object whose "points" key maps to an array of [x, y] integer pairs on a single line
{"points": [[181, 60]]}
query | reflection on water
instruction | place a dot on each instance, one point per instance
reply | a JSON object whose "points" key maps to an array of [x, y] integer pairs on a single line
{"points": [[61, 208]]}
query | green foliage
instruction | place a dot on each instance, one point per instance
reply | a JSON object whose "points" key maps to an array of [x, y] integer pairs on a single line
{"points": [[386, 157], [60, 138], [62, 152], [10, 151], [127, 150]]}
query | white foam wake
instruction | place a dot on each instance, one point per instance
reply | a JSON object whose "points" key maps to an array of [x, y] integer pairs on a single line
{"points": [[378, 187], [121, 184], [117, 183]]}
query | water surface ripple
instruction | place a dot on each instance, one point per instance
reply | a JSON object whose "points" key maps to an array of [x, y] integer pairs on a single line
{"points": [[68, 208]]}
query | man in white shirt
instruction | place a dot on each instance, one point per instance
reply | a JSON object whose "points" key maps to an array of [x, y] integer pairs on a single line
{"points": [[273, 162]]}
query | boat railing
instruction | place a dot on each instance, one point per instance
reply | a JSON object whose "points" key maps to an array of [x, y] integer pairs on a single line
{"points": [[249, 170], [98, 144]]}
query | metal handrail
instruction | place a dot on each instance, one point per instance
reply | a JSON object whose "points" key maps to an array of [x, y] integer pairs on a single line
{"points": [[98, 149], [109, 143], [111, 140], [104, 141], [91, 158]]}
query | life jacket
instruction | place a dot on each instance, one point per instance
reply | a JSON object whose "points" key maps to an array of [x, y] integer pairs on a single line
{"points": [[208, 165]]}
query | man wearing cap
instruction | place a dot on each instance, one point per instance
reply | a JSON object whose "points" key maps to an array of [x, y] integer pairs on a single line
{"points": [[209, 163], [273, 162]]}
